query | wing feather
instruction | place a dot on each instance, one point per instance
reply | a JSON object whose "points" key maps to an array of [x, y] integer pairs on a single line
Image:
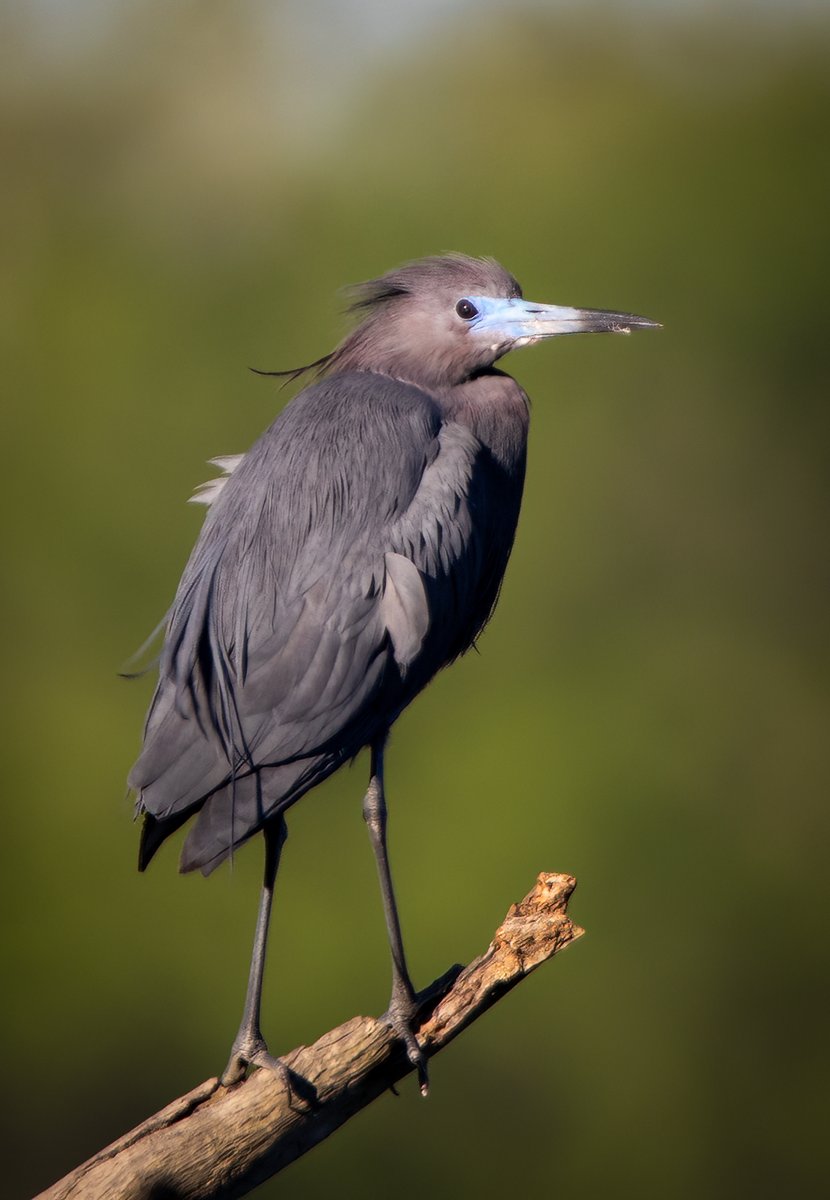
{"points": [[303, 622]]}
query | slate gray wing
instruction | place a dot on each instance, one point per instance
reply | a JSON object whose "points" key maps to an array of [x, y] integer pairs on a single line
{"points": [[302, 604]]}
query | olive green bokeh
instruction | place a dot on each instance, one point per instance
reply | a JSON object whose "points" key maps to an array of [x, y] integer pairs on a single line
{"points": [[649, 708]]}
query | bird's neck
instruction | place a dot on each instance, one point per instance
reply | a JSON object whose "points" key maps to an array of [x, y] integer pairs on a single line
{"points": [[496, 410]]}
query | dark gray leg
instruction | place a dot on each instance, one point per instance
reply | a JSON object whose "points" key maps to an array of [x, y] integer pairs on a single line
{"points": [[249, 1048], [403, 1005]]}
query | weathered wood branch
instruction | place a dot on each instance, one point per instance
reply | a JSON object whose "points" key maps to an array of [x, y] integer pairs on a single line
{"points": [[222, 1142]]}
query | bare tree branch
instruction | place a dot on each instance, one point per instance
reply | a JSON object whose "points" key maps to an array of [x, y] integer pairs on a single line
{"points": [[222, 1142]]}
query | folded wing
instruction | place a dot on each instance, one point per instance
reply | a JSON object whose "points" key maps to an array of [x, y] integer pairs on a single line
{"points": [[305, 607]]}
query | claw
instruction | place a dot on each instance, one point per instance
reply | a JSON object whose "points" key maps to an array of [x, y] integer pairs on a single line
{"points": [[400, 1018], [253, 1053]]}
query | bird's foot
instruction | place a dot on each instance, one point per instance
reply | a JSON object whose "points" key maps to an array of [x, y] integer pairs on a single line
{"points": [[250, 1050], [400, 1016]]}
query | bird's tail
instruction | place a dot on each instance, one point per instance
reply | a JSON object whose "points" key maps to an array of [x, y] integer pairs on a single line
{"points": [[235, 812], [156, 830]]}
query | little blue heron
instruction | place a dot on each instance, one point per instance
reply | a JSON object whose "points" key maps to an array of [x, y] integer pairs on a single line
{"points": [[355, 550]]}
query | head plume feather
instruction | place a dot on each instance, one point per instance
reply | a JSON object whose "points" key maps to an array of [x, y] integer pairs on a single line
{"points": [[369, 298]]}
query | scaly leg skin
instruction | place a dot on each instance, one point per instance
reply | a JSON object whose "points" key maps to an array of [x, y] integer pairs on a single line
{"points": [[403, 1005], [249, 1048]]}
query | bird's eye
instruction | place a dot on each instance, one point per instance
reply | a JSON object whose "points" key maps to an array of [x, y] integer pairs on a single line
{"points": [[466, 310]]}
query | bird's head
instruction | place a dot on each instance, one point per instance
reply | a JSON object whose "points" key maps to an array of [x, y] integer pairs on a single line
{"points": [[440, 320]]}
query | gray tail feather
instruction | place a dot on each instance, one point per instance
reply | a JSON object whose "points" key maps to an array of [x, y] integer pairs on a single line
{"points": [[156, 830], [234, 813]]}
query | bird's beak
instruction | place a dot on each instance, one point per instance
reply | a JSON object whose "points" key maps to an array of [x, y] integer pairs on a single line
{"points": [[513, 322]]}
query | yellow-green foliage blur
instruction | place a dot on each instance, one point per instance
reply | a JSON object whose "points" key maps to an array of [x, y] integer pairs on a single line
{"points": [[185, 187]]}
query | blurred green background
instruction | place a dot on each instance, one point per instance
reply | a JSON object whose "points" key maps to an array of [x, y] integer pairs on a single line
{"points": [[186, 186]]}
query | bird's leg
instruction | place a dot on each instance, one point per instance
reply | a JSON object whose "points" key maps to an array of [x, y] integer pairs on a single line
{"points": [[402, 1005], [249, 1048]]}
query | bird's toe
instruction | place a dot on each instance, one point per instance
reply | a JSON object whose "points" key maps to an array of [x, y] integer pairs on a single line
{"points": [[252, 1052], [400, 1016]]}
